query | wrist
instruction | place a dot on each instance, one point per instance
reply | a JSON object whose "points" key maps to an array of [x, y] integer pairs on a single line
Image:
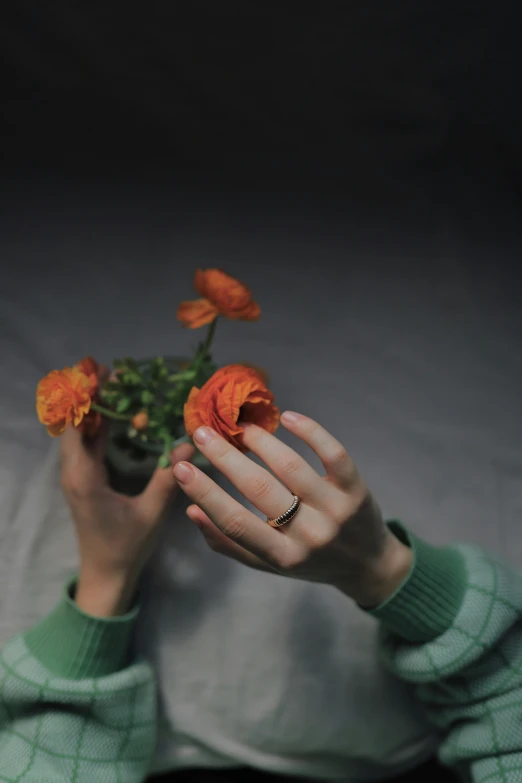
{"points": [[376, 583], [105, 595]]}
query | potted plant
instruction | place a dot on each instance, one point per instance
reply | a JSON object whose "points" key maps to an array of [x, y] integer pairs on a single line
{"points": [[153, 405]]}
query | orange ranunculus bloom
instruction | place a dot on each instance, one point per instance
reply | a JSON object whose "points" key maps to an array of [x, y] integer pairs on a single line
{"points": [[260, 371], [63, 397], [221, 295], [91, 423], [233, 395], [90, 368]]}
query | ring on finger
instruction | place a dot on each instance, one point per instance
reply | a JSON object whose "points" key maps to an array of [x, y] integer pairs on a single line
{"points": [[286, 516]]}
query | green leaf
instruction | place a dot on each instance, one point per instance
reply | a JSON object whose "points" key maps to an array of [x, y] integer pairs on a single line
{"points": [[131, 379], [123, 404], [131, 363], [118, 364], [164, 461], [157, 364], [147, 397]]}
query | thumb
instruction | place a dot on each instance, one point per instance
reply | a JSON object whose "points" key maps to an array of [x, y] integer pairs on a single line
{"points": [[161, 489], [96, 446]]}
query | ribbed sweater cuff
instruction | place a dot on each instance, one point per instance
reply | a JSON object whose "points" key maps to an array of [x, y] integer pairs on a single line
{"points": [[76, 646], [426, 604]]}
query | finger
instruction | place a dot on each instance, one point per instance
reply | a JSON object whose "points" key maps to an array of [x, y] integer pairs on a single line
{"points": [[72, 453], [338, 464], [294, 471], [78, 464], [230, 517], [262, 489], [86, 454], [161, 489], [223, 545], [96, 446]]}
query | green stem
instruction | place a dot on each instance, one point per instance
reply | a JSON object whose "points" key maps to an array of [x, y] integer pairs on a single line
{"points": [[210, 336], [186, 375], [164, 459], [108, 413]]}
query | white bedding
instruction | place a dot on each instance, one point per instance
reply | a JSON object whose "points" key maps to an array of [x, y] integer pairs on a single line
{"points": [[410, 355]]}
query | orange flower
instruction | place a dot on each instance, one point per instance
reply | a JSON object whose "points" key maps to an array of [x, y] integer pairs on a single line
{"points": [[221, 295], [260, 371], [90, 368], [233, 395], [140, 421], [92, 421], [63, 397]]}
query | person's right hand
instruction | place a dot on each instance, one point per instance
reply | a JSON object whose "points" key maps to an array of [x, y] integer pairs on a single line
{"points": [[116, 533], [337, 537]]}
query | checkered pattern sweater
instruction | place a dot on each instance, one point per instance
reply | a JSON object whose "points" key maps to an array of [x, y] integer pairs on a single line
{"points": [[74, 709]]}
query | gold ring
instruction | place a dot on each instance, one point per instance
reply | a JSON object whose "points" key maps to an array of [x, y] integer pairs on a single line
{"points": [[282, 519]]}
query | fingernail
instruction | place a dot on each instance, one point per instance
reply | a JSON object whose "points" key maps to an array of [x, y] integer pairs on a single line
{"points": [[183, 472], [291, 417], [203, 435]]}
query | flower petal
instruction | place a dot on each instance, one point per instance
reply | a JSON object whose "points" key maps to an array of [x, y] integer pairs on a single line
{"points": [[232, 298], [233, 395], [196, 313]]}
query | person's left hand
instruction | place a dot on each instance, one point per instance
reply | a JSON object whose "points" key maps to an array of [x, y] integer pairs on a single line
{"points": [[116, 534], [337, 537]]}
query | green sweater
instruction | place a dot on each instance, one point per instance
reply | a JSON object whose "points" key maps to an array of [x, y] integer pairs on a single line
{"points": [[74, 709]]}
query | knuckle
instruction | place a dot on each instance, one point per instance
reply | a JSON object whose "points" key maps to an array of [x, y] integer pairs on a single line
{"points": [[234, 527], [339, 509], [203, 494], [224, 451], [362, 500], [339, 456], [317, 541], [261, 487], [71, 485], [291, 559], [290, 466], [310, 427], [354, 503]]}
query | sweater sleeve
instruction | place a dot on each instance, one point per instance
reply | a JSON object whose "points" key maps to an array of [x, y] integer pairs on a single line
{"points": [[454, 630], [73, 708]]}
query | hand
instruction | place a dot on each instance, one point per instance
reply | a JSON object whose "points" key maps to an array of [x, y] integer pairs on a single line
{"points": [[337, 537], [116, 534]]}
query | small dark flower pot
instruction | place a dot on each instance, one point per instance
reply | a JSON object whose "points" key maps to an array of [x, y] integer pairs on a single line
{"points": [[130, 464]]}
